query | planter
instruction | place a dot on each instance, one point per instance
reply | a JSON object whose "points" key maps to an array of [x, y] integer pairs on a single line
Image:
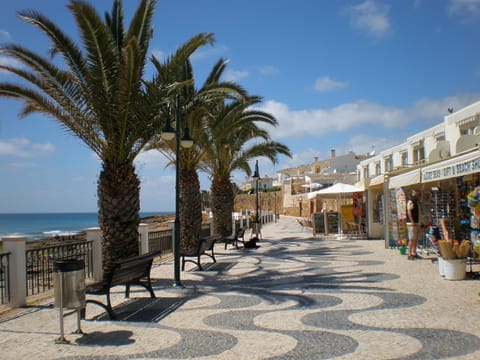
{"points": [[455, 269], [441, 267], [403, 250]]}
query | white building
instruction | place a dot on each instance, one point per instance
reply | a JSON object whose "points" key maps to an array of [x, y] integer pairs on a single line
{"points": [[298, 181], [429, 159]]}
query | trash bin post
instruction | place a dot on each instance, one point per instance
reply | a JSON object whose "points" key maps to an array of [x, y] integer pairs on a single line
{"points": [[61, 339], [69, 291]]}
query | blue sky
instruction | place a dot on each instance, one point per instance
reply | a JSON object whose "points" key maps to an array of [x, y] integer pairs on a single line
{"points": [[339, 74]]}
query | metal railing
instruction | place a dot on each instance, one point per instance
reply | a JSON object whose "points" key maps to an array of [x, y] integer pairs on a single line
{"points": [[4, 278], [160, 241], [39, 263]]}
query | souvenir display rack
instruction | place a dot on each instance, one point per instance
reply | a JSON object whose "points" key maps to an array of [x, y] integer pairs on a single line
{"points": [[443, 206], [398, 222]]}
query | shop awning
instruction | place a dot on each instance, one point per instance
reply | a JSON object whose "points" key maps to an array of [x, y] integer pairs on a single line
{"points": [[458, 166], [377, 180], [409, 178]]}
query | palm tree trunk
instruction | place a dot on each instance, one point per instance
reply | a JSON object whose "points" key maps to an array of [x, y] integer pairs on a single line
{"points": [[190, 206], [222, 206], [118, 211]]}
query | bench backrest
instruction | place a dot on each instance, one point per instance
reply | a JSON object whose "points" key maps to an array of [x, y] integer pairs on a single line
{"points": [[130, 270], [208, 242], [240, 232]]}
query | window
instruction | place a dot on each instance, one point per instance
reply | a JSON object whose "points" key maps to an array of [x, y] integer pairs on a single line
{"points": [[469, 126], [404, 158], [366, 174], [419, 153], [378, 169], [388, 163]]}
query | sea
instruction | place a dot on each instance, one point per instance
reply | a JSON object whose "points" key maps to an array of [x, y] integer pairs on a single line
{"points": [[41, 225]]}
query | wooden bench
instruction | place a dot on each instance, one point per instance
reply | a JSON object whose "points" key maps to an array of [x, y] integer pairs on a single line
{"points": [[235, 238], [131, 271], [205, 246]]}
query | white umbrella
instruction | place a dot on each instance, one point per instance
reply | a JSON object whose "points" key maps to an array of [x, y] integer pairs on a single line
{"points": [[336, 191], [332, 192]]}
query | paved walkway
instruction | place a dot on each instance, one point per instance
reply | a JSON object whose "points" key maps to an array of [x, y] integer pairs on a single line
{"points": [[295, 297]]}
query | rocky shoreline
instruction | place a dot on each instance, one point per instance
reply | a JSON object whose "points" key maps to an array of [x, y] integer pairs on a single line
{"points": [[158, 222], [155, 223]]}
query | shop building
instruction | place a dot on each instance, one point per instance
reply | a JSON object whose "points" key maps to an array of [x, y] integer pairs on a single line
{"points": [[442, 163]]}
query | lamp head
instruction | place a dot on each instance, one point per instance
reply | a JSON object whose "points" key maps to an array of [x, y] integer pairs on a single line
{"points": [[168, 132], [186, 141]]}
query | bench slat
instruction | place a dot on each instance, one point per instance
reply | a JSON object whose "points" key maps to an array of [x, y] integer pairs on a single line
{"points": [[132, 271], [205, 246]]}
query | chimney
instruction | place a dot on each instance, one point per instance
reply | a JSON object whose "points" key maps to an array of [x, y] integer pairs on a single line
{"points": [[332, 153]]}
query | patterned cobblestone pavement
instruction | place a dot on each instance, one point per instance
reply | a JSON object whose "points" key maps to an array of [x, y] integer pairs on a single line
{"points": [[295, 297]]}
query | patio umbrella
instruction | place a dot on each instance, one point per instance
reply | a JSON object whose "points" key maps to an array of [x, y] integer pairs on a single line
{"points": [[337, 191]]}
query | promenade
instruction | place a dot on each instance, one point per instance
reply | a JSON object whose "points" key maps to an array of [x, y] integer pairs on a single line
{"points": [[295, 297]]}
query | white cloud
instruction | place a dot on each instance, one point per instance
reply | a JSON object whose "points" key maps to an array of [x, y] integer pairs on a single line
{"points": [[235, 75], [8, 61], [23, 148], [466, 10], [153, 159], [268, 70], [371, 17], [4, 36], [304, 156], [359, 115], [434, 110], [363, 143], [326, 84]]}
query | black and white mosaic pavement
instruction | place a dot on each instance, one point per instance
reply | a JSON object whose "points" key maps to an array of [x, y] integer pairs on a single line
{"points": [[296, 297]]}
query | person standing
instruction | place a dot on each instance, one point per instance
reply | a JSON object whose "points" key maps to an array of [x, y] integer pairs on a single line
{"points": [[413, 225]]}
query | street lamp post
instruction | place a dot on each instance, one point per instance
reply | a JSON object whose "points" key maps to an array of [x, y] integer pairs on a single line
{"points": [[256, 178], [275, 206], [186, 141]]}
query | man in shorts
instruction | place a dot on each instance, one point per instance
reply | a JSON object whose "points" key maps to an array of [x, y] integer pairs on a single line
{"points": [[413, 225]]}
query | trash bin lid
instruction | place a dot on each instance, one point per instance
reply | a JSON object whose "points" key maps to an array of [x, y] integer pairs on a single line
{"points": [[68, 265]]}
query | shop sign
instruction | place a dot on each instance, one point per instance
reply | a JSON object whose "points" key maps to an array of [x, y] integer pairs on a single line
{"points": [[460, 168]]}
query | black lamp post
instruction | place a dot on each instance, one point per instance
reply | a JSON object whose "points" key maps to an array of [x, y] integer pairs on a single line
{"points": [[186, 141], [256, 178]]}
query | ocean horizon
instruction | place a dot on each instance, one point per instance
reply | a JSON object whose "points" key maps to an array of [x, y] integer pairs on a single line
{"points": [[40, 225]]}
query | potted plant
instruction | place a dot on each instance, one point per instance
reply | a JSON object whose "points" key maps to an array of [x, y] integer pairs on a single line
{"points": [[453, 258]]}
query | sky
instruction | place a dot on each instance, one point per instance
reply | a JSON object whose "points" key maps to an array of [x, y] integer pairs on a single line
{"points": [[352, 75]]}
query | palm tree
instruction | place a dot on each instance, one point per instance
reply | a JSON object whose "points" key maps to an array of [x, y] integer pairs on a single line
{"points": [[98, 96], [193, 104], [232, 140]]}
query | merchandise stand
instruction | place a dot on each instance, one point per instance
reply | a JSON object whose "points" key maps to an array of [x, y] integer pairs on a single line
{"points": [[452, 218]]}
